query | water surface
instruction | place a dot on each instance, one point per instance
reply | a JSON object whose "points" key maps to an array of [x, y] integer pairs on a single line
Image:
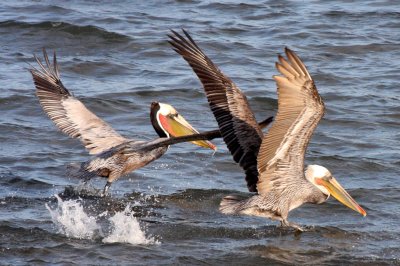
{"points": [[116, 59]]}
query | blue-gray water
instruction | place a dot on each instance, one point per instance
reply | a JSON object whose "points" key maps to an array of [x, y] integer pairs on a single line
{"points": [[116, 59]]}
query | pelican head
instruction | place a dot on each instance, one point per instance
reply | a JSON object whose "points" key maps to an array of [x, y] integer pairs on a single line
{"points": [[323, 179], [168, 122]]}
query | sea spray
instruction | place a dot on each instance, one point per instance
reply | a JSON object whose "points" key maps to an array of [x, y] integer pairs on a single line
{"points": [[126, 229], [71, 220]]}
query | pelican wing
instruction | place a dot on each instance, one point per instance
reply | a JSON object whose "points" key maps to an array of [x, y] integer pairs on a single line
{"points": [[300, 108], [68, 113], [236, 121]]}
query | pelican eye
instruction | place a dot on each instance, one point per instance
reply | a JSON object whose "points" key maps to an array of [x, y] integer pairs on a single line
{"points": [[327, 177]]}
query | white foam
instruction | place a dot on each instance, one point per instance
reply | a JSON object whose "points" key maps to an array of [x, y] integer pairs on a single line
{"points": [[71, 220]]}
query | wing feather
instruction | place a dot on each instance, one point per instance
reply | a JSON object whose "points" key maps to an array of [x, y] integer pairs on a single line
{"points": [[300, 108], [68, 113], [229, 105]]}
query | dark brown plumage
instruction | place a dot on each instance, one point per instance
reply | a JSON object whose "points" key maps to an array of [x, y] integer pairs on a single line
{"points": [[229, 105]]}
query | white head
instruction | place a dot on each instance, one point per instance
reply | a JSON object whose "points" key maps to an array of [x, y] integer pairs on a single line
{"points": [[316, 171], [167, 122], [166, 109], [320, 177]]}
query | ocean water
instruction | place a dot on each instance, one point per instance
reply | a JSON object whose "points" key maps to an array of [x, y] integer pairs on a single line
{"points": [[116, 59]]}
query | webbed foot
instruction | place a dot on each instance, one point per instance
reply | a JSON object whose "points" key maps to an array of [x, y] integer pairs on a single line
{"points": [[298, 228]]}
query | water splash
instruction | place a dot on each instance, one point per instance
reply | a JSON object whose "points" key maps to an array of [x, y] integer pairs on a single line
{"points": [[126, 229], [71, 220]]}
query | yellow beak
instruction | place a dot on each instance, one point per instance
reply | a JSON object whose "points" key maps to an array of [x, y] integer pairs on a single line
{"points": [[177, 126], [340, 194]]}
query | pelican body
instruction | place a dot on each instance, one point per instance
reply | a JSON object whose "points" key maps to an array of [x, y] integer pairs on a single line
{"points": [[114, 155], [273, 162], [134, 154]]}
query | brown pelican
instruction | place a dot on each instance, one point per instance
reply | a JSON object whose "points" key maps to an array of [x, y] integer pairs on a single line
{"points": [[115, 155], [274, 162]]}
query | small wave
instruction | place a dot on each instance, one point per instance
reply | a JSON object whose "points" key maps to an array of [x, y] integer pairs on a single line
{"points": [[72, 221], [76, 30], [335, 14], [367, 48], [241, 7], [146, 92]]}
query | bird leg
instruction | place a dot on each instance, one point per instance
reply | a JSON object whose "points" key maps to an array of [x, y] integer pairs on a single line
{"points": [[106, 188], [286, 223]]}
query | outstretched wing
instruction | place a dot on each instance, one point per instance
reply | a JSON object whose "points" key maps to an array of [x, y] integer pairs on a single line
{"points": [[300, 108], [68, 113], [236, 121]]}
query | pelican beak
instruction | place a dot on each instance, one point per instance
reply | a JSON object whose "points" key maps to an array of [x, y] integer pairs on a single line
{"points": [[177, 126], [340, 194]]}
